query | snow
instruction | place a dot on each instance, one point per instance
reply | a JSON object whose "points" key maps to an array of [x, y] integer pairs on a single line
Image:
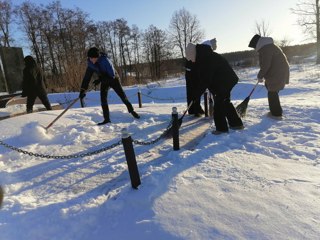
{"points": [[259, 183]]}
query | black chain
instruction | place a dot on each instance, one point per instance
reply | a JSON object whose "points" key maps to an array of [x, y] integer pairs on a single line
{"points": [[81, 155], [77, 155], [163, 99], [155, 140]]}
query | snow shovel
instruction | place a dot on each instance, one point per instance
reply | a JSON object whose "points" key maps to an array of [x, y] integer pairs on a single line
{"points": [[63, 112], [169, 130], [242, 107]]}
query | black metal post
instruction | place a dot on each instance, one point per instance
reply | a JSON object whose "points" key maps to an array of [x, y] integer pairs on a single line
{"points": [[139, 99], [205, 96], [131, 159], [175, 129]]}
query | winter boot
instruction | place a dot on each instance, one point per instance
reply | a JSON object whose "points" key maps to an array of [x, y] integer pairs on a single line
{"points": [[104, 122], [105, 110], [134, 114]]}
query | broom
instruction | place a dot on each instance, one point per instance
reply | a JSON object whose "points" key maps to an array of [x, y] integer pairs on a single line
{"points": [[242, 107]]}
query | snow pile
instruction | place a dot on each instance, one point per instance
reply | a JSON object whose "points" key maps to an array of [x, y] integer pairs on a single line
{"points": [[259, 183]]}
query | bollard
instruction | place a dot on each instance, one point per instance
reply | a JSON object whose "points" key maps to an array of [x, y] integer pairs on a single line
{"points": [[175, 129], [139, 99], [1, 196], [131, 159], [205, 96]]}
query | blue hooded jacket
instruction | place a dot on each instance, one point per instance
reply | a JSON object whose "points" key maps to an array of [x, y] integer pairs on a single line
{"points": [[103, 68]]}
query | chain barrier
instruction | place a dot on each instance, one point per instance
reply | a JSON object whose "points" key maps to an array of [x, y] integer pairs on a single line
{"points": [[82, 155], [77, 155], [155, 140], [162, 99]]}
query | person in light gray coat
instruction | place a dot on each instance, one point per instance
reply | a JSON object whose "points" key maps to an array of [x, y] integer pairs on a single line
{"points": [[274, 69]]}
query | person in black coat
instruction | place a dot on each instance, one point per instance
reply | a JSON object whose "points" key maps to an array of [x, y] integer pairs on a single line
{"points": [[191, 82], [33, 85], [215, 74]]}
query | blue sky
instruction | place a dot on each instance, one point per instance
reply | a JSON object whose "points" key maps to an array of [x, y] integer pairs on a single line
{"points": [[231, 22]]}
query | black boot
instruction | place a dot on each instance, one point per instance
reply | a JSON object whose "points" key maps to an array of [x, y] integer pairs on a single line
{"points": [[104, 122], [134, 114], [105, 110]]}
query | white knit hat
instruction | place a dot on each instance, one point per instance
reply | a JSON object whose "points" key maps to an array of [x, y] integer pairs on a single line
{"points": [[212, 43], [191, 52]]}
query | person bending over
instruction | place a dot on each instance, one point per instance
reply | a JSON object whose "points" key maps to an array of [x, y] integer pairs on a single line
{"points": [[100, 64]]}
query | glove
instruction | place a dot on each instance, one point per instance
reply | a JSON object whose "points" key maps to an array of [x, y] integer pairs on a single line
{"points": [[260, 80], [82, 94], [97, 82]]}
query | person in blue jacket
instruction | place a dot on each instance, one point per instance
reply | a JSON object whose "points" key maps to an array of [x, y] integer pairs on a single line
{"points": [[100, 64]]}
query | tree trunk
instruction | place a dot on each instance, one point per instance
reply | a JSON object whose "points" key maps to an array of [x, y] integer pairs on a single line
{"points": [[318, 31]]}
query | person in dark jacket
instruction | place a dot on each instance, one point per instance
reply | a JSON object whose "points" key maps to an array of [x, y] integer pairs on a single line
{"points": [[191, 82], [100, 64], [215, 74], [33, 85], [274, 69], [191, 76]]}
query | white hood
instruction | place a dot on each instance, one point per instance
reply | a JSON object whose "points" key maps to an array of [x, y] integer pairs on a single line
{"points": [[263, 41]]}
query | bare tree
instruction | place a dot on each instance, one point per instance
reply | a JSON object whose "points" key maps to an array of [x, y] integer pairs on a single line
{"points": [[184, 28], [28, 14], [309, 18], [136, 43], [156, 50], [6, 12], [123, 33], [285, 42], [262, 28], [58, 39]]}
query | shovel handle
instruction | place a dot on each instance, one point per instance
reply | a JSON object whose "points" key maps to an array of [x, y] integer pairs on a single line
{"points": [[255, 86], [185, 111], [63, 112]]}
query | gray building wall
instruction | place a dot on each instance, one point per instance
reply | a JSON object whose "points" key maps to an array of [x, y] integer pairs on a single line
{"points": [[11, 68]]}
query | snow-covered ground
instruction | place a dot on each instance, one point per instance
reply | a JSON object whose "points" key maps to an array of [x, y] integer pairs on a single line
{"points": [[259, 183]]}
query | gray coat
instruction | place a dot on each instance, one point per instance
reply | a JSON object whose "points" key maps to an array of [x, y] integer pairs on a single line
{"points": [[274, 66]]}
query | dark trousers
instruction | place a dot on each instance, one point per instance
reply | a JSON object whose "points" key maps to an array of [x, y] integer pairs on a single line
{"points": [[116, 86], [191, 94], [224, 111], [274, 103], [31, 98]]}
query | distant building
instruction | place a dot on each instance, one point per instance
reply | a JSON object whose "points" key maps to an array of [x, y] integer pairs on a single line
{"points": [[11, 68]]}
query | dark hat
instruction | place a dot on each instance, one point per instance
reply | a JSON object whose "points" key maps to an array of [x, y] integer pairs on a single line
{"points": [[93, 52], [254, 41], [29, 61]]}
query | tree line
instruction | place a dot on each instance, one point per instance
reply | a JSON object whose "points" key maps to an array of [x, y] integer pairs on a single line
{"points": [[59, 38]]}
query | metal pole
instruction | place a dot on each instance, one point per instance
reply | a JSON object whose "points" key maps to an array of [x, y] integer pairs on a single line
{"points": [[175, 129], [139, 99], [130, 158], [1, 196], [211, 105], [205, 96]]}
